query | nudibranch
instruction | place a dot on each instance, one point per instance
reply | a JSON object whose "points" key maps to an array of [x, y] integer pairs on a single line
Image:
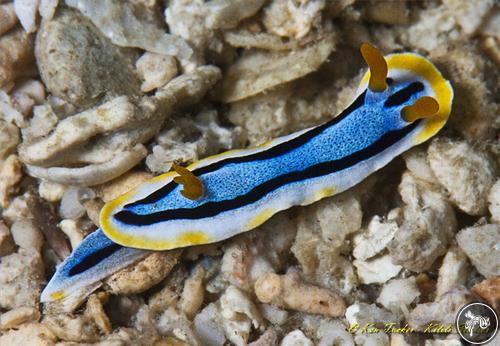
{"points": [[402, 101]]}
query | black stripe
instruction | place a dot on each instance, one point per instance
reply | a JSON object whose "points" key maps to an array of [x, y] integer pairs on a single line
{"points": [[275, 151], [93, 259], [213, 208], [403, 95]]}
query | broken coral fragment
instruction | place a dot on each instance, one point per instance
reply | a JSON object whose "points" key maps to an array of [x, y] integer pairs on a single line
{"points": [[9, 138], [453, 271], [376, 270], [444, 310], [197, 22], [26, 11], [46, 220], [480, 244], [9, 111], [475, 109], [72, 230], [290, 292], [68, 327], [143, 275], [11, 173], [174, 323], [290, 18], [193, 293], [363, 314], [375, 238], [269, 337], [328, 331], [29, 334], [26, 235], [469, 16], [398, 294], [296, 338], [16, 56], [489, 290], [464, 171], [256, 71], [102, 143], [121, 185], [189, 140], [50, 191], [93, 174], [127, 30], [238, 314], [418, 164], [26, 94], [7, 245], [76, 130], [94, 310], [208, 325], [263, 250], [494, 202], [47, 8], [78, 64], [72, 202], [393, 13], [416, 244], [8, 18], [274, 314], [436, 28], [244, 38], [155, 70], [21, 279], [15, 317], [317, 245], [228, 13]]}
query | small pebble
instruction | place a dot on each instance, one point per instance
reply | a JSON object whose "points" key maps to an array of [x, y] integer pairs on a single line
{"points": [[481, 245], [27, 235]]}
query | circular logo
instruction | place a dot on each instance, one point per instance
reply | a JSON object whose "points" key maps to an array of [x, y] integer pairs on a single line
{"points": [[477, 323]]}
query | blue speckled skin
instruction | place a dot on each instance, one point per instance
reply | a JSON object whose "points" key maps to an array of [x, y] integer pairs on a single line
{"points": [[229, 205], [334, 143], [329, 159], [360, 129]]}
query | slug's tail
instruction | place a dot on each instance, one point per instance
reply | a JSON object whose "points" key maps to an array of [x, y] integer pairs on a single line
{"points": [[94, 259]]}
